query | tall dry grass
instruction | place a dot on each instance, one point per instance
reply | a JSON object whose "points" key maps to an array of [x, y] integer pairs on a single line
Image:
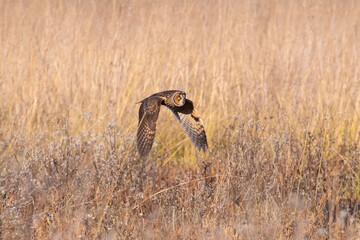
{"points": [[276, 83]]}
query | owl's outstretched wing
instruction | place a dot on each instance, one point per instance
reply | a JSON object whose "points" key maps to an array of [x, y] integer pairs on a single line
{"points": [[192, 123], [148, 115]]}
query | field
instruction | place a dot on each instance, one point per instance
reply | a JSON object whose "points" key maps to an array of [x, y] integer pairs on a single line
{"points": [[277, 85]]}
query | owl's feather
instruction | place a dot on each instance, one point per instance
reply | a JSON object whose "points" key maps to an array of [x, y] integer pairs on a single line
{"points": [[192, 123], [148, 115]]}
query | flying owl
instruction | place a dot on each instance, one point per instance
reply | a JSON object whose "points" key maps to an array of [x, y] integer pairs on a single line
{"points": [[184, 111]]}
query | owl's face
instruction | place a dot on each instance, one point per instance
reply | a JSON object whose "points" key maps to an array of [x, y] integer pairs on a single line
{"points": [[178, 99]]}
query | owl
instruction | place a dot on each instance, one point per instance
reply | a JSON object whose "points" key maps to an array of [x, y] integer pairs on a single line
{"points": [[183, 110]]}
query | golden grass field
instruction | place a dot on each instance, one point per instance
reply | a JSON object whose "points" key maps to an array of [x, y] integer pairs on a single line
{"points": [[277, 84]]}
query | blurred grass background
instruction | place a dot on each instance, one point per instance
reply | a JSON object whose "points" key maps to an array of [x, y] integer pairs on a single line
{"points": [[275, 82]]}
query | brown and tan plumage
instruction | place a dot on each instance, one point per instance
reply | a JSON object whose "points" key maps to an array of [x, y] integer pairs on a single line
{"points": [[184, 111]]}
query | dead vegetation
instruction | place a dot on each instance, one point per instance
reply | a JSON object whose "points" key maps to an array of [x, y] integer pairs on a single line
{"points": [[276, 83]]}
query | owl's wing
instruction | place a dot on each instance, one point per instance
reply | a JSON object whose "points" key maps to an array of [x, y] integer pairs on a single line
{"points": [[192, 124], [148, 115]]}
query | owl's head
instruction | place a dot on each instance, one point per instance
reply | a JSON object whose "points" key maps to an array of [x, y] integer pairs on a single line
{"points": [[178, 98]]}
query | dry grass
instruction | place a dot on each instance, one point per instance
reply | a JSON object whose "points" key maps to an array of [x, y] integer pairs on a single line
{"points": [[276, 83]]}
